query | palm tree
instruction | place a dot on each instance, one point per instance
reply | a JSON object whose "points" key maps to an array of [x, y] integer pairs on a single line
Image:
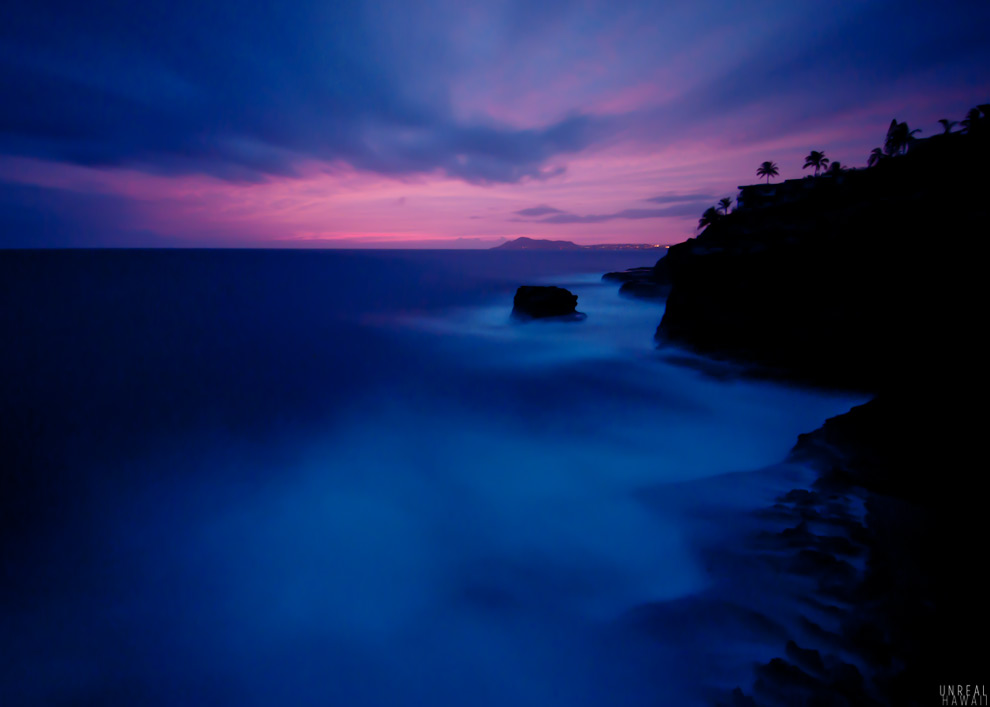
{"points": [[972, 121], [876, 157], [890, 146], [816, 159], [710, 216], [768, 169], [724, 204], [899, 138], [947, 125]]}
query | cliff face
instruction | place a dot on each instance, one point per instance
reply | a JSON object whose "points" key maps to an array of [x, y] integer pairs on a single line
{"points": [[873, 281], [833, 288]]}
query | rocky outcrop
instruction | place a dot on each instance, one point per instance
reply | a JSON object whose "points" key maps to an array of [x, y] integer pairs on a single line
{"points": [[630, 275], [648, 283], [883, 547], [543, 302]]}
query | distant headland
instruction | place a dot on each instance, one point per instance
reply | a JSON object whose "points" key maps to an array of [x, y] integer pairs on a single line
{"points": [[524, 243]]}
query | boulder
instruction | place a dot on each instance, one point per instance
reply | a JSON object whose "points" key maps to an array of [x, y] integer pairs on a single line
{"points": [[539, 302]]}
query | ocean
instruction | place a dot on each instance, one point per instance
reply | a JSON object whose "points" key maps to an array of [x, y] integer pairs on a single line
{"points": [[348, 478]]}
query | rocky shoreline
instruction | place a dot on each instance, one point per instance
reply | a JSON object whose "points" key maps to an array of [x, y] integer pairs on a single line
{"points": [[649, 283], [882, 545], [837, 536]]}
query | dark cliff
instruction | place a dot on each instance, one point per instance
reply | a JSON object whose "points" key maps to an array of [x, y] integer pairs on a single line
{"points": [[870, 279], [848, 285]]}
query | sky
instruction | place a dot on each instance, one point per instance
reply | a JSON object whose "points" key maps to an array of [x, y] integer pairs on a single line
{"points": [[446, 123]]}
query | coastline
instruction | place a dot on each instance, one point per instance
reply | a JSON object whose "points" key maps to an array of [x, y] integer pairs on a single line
{"points": [[846, 541], [835, 572], [818, 291]]}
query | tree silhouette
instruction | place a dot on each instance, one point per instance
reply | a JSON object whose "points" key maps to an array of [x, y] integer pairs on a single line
{"points": [[768, 169], [899, 138], [816, 159], [947, 125], [710, 216], [876, 156], [973, 120], [724, 204], [836, 168]]}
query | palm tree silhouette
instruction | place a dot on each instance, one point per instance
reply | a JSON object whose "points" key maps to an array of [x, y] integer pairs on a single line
{"points": [[972, 121], [947, 125], [876, 156], [768, 169], [710, 216], [899, 138], [816, 159], [724, 204]]}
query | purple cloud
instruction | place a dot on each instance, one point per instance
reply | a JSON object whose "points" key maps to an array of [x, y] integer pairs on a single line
{"points": [[670, 198], [534, 211], [562, 217]]}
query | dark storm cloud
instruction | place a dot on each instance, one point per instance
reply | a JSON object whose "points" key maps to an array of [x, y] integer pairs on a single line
{"points": [[244, 90], [247, 90]]}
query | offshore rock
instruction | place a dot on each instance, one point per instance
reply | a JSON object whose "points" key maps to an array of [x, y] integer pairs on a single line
{"points": [[543, 302]]}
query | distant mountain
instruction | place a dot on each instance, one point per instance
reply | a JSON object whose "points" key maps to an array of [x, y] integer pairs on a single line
{"points": [[524, 243]]}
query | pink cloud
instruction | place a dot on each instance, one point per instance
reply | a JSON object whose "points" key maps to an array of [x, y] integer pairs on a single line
{"points": [[334, 205]]}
